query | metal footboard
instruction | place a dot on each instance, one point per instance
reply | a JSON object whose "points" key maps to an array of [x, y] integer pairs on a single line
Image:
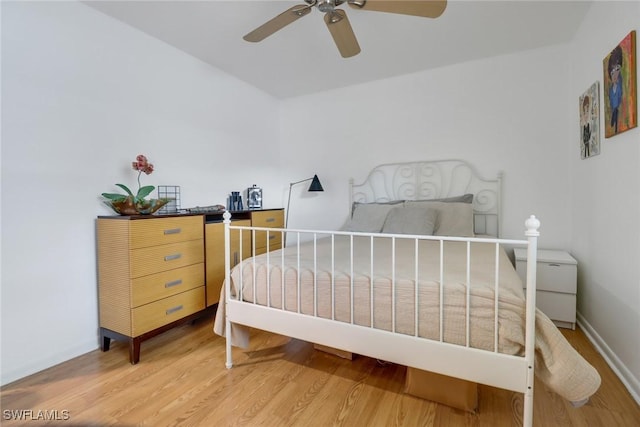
{"points": [[327, 327]]}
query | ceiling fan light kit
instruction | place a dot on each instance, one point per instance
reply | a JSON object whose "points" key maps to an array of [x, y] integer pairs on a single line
{"points": [[337, 22]]}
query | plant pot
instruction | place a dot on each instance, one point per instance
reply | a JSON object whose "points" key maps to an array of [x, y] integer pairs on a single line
{"points": [[128, 207]]}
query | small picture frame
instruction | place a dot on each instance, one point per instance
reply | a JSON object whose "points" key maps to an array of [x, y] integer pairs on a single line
{"points": [[254, 197], [589, 106]]}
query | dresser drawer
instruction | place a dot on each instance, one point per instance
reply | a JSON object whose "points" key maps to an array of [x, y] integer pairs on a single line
{"points": [[162, 231], [150, 316], [154, 287], [273, 219], [145, 261], [556, 277]]}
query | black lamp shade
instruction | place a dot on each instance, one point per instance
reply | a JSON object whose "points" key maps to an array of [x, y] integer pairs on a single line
{"points": [[315, 184]]}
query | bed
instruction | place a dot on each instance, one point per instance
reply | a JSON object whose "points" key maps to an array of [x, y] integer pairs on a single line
{"points": [[419, 276]]}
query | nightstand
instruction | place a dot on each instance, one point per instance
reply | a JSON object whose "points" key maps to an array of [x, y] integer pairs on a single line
{"points": [[556, 287]]}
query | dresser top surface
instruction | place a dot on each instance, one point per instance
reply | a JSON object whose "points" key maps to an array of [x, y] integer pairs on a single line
{"points": [[547, 255], [207, 214]]}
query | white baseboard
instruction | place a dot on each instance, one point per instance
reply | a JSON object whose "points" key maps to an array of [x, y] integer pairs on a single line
{"points": [[626, 376], [41, 364]]}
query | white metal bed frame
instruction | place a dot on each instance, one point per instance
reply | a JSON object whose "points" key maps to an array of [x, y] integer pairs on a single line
{"points": [[407, 181]]}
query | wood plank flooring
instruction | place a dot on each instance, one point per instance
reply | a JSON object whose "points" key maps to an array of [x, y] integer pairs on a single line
{"points": [[181, 380]]}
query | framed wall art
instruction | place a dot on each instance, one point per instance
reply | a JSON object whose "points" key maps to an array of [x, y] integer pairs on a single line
{"points": [[589, 105], [621, 99]]}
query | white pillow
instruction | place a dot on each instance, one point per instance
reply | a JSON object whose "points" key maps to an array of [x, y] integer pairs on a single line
{"points": [[454, 219], [368, 217], [410, 220]]}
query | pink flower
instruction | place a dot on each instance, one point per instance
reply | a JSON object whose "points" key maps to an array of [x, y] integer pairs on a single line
{"points": [[142, 164]]}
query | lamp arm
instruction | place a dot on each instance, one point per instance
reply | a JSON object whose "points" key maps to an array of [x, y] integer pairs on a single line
{"points": [[286, 221], [298, 182]]}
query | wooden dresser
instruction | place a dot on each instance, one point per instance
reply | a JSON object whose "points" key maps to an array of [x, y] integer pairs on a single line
{"points": [[151, 276], [214, 237]]}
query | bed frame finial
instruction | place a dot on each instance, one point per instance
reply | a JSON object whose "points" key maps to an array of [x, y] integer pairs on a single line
{"points": [[532, 224]]}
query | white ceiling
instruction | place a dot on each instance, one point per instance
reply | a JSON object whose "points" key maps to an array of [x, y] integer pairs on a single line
{"points": [[302, 57]]}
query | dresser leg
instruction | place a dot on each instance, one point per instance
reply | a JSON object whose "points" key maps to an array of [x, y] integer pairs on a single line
{"points": [[106, 335], [105, 341], [134, 350]]}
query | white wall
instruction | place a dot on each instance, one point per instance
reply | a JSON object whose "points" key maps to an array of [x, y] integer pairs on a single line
{"points": [[82, 95], [605, 203], [507, 114]]}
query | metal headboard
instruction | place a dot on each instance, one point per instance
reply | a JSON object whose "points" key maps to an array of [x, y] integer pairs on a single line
{"points": [[437, 179]]}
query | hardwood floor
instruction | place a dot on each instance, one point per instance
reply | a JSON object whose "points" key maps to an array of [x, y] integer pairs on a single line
{"points": [[181, 380]]}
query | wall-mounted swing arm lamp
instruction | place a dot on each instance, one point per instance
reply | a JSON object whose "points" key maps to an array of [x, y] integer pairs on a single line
{"points": [[315, 186]]}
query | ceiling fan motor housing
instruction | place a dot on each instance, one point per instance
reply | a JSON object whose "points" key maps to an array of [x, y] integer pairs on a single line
{"points": [[328, 5]]}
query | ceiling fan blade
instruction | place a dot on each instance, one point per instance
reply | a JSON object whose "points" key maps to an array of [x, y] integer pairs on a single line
{"points": [[279, 22], [424, 8], [342, 33]]}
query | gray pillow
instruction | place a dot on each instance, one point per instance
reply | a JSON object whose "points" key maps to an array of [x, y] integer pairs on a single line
{"points": [[465, 198], [454, 219], [356, 204], [410, 220], [368, 217]]}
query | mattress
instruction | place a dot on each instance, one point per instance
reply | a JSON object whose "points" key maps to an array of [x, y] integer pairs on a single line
{"points": [[353, 289]]}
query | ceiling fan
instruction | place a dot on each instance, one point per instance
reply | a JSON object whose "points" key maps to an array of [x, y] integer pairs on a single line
{"points": [[338, 23]]}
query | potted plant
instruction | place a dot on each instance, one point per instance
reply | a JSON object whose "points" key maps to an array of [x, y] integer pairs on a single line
{"points": [[135, 204]]}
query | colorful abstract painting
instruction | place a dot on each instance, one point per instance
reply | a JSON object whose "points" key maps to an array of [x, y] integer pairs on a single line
{"points": [[621, 99], [589, 105]]}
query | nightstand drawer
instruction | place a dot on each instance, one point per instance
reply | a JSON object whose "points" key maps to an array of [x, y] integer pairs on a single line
{"points": [[559, 307], [162, 231], [272, 247], [159, 313], [272, 219], [275, 240], [556, 277], [154, 287], [145, 261]]}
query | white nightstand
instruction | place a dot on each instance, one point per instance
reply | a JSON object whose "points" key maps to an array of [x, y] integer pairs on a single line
{"points": [[556, 286]]}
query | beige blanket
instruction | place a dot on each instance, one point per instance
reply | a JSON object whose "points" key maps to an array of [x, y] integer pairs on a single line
{"points": [[557, 364]]}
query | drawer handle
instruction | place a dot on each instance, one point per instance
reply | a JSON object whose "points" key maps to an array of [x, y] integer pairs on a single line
{"points": [[273, 236], [172, 257], [173, 231], [553, 265], [270, 219], [174, 309], [172, 284]]}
